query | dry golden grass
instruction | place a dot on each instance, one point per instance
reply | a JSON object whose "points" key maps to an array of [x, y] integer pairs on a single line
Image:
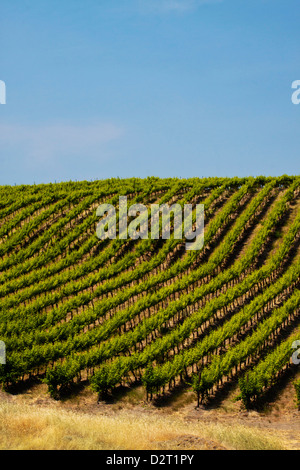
{"points": [[33, 427]]}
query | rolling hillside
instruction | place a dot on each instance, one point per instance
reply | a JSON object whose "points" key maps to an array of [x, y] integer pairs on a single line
{"points": [[74, 308]]}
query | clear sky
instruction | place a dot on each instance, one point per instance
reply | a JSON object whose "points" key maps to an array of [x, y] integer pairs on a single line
{"points": [[119, 88]]}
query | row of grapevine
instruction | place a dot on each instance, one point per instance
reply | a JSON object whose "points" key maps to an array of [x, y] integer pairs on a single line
{"points": [[73, 307], [246, 350], [265, 374], [114, 283], [82, 270], [152, 323]]}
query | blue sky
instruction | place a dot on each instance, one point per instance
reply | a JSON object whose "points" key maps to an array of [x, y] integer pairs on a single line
{"points": [[120, 88]]}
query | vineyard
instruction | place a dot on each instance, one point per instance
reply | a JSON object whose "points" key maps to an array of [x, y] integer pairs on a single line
{"points": [[104, 313]]}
